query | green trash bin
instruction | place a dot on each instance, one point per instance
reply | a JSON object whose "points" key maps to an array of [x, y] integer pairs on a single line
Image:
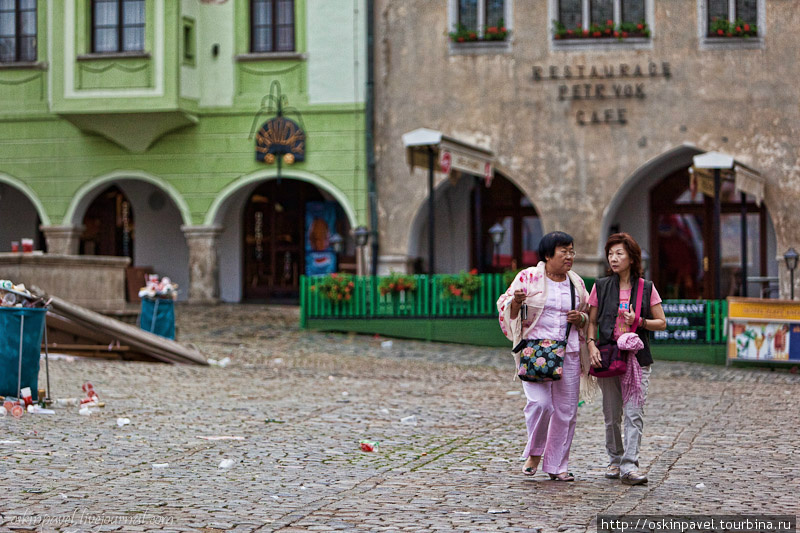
{"points": [[20, 348], [158, 316]]}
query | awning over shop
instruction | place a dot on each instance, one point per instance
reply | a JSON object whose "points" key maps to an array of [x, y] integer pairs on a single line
{"points": [[707, 173], [451, 153], [745, 178], [424, 147]]}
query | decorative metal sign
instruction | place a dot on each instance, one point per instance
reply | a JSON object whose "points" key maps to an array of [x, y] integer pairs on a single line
{"points": [[280, 137]]}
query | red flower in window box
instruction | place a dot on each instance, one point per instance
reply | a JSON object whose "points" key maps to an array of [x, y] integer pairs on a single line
{"points": [[609, 23], [616, 34], [597, 34], [585, 33], [640, 26], [720, 32], [747, 27], [608, 31]]}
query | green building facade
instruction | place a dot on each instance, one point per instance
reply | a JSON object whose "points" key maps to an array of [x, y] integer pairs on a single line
{"points": [[130, 127]]}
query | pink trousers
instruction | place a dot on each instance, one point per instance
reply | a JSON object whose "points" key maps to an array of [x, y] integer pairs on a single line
{"points": [[550, 415]]}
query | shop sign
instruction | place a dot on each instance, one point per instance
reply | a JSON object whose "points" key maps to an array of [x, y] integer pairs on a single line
{"points": [[280, 137], [606, 83], [686, 323], [763, 330]]}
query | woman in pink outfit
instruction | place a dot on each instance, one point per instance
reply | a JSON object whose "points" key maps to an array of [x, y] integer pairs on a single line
{"points": [[552, 406]]}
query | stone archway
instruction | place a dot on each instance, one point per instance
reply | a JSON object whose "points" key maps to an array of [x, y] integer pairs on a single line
{"points": [[227, 235], [21, 214], [672, 226], [157, 239], [465, 209]]}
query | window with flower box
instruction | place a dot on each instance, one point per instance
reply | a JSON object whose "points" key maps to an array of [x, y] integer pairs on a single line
{"points": [[601, 19], [17, 31], [732, 18], [479, 20]]}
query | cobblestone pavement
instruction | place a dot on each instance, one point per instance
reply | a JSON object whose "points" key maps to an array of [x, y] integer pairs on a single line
{"points": [[733, 430]]}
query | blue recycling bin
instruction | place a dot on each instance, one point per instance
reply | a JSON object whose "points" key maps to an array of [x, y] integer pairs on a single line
{"points": [[158, 316], [20, 348]]}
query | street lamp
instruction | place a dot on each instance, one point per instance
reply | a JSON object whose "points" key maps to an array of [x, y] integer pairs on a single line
{"points": [[790, 257], [361, 234], [336, 242], [497, 232], [718, 162]]}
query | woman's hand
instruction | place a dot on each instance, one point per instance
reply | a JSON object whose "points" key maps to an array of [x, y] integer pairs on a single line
{"points": [[594, 356], [630, 316], [574, 317], [518, 299]]}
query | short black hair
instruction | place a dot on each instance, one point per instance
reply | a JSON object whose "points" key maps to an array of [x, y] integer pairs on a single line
{"points": [[548, 244]]}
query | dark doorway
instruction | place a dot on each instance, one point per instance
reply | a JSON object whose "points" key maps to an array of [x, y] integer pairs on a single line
{"points": [[108, 225], [684, 242], [503, 202], [274, 231]]}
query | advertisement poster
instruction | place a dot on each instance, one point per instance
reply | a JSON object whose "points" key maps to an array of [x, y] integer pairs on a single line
{"points": [[764, 330], [320, 225]]}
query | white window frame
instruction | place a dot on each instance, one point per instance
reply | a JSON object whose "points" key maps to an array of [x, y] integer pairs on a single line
{"points": [[727, 43], [481, 46], [602, 43]]}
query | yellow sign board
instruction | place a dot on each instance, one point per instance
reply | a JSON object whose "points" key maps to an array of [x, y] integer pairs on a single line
{"points": [[756, 308]]}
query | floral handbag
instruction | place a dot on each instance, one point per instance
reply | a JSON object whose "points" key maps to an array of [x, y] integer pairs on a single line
{"points": [[543, 359]]}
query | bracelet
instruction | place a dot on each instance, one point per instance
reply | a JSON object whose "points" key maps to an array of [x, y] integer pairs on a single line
{"points": [[644, 323], [591, 340]]}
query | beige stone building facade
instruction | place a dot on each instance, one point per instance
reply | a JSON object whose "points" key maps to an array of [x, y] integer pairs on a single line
{"points": [[591, 133]]}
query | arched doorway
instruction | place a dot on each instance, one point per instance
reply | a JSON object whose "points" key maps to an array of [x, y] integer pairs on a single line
{"points": [[465, 209], [18, 220], [286, 230], [684, 241], [504, 203], [108, 225], [138, 218]]}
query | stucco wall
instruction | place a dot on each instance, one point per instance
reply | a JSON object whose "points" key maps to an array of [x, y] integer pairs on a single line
{"points": [[739, 101]]}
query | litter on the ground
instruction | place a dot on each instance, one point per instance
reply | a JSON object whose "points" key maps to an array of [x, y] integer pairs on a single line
{"points": [[222, 363], [368, 445], [221, 437], [123, 421], [159, 466], [513, 393], [411, 420], [226, 463], [386, 344], [700, 486], [498, 511], [274, 421]]}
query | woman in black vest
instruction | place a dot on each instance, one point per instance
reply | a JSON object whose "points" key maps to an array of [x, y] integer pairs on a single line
{"points": [[611, 313]]}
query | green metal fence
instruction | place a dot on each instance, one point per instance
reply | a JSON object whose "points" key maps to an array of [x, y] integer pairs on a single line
{"points": [[689, 321]]}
